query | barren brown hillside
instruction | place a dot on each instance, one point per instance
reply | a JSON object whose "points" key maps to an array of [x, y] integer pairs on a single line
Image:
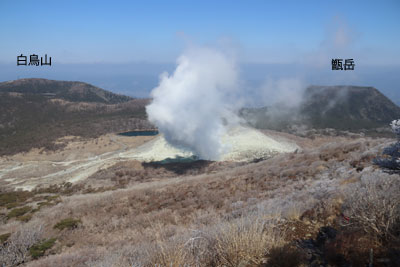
{"points": [[214, 214]]}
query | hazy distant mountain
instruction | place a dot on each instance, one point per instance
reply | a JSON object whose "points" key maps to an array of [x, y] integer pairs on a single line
{"points": [[348, 107], [338, 107], [36, 112], [66, 90]]}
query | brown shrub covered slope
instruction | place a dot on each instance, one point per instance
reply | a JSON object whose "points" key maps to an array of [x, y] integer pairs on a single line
{"points": [[36, 112], [222, 214]]}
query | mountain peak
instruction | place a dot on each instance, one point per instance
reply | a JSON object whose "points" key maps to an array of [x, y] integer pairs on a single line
{"points": [[339, 107], [350, 106], [67, 90]]}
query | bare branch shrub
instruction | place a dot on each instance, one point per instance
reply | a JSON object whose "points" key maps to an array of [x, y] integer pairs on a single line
{"points": [[16, 250], [374, 206], [391, 154]]}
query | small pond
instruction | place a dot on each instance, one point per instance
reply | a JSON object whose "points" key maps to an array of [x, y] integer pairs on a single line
{"points": [[140, 133]]}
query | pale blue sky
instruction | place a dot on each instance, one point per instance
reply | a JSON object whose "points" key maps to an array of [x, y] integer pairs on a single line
{"points": [[156, 31], [123, 46]]}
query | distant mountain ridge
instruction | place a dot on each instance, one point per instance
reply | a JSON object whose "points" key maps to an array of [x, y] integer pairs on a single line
{"points": [[36, 112], [67, 90], [348, 107], [338, 107]]}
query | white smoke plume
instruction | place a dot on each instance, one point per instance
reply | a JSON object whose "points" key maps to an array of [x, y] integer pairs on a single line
{"points": [[192, 106], [284, 92]]}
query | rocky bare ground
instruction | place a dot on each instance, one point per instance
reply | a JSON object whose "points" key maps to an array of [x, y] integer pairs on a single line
{"points": [[80, 159]]}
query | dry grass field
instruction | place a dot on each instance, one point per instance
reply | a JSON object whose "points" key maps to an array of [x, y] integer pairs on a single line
{"points": [[324, 204]]}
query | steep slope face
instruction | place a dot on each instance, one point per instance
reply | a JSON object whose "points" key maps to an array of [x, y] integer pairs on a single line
{"points": [[66, 90], [338, 107]]}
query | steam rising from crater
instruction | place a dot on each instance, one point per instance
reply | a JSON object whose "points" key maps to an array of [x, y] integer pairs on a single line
{"points": [[192, 106]]}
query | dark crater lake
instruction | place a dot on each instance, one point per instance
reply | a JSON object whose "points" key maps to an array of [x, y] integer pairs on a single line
{"points": [[140, 133]]}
